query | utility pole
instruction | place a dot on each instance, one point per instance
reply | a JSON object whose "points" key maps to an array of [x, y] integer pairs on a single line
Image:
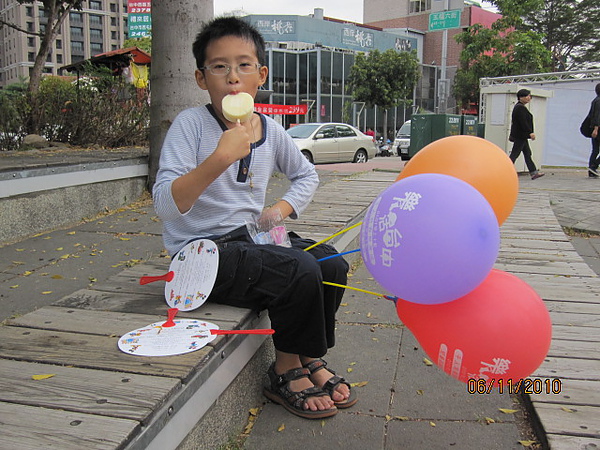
{"points": [[443, 82]]}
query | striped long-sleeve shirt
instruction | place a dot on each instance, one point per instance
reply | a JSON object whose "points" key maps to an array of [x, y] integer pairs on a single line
{"points": [[227, 203]]}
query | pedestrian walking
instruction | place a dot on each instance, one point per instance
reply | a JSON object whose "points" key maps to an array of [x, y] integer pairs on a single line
{"points": [[521, 131], [594, 116]]}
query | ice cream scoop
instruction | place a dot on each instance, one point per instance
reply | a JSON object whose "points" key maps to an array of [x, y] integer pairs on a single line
{"points": [[238, 107]]}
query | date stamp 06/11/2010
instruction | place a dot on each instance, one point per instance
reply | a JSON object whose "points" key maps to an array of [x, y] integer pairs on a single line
{"points": [[516, 386]]}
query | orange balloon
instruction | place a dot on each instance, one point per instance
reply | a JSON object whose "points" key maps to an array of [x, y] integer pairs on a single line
{"points": [[482, 164]]}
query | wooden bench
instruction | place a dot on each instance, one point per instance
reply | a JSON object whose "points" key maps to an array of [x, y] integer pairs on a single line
{"points": [[99, 397]]}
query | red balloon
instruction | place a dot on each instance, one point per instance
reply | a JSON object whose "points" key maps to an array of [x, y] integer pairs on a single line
{"points": [[499, 331]]}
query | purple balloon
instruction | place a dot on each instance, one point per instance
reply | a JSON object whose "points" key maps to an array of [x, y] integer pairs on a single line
{"points": [[430, 238]]}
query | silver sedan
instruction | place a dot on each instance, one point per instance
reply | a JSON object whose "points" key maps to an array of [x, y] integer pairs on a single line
{"points": [[332, 142]]}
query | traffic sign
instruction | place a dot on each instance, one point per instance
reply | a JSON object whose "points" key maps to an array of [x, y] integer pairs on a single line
{"points": [[444, 20]]}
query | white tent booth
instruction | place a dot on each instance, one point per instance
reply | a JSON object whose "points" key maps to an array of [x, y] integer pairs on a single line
{"points": [[560, 102]]}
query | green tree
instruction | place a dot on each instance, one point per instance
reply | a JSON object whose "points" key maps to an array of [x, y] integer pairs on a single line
{"points": [[501, 50], [143, 43], [54, 14], [384, 79], [569, 28]]}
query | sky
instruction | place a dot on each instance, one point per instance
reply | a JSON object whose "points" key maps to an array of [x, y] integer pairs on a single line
{"points": [[351, 10]]}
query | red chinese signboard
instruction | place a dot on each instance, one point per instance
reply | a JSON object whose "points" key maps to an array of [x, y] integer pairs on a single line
{"points": [[280, 109]]}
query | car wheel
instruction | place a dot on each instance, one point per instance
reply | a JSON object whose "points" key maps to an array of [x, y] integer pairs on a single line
{"points": [[308, 156], [361, 156]]}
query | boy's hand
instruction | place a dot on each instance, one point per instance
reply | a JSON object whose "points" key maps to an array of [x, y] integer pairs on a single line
{"points": [[234, 144]]}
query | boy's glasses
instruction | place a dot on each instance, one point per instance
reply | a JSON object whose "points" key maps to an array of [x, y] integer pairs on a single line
{"points": [[221, 69]]}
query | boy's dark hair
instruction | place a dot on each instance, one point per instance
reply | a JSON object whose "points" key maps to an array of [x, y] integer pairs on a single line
{"points": [[523, 93], [227, 26], [598, 89]]}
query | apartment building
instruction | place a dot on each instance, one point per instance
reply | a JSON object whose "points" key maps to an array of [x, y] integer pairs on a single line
{"points": [[100, 26]]}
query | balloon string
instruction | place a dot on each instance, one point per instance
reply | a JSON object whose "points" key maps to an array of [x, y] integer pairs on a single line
{"points": [[387, 297], [332, 236], [339, 254]]}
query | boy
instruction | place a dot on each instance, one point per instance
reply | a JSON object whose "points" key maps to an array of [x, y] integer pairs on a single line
{"points": [[212, 180]]}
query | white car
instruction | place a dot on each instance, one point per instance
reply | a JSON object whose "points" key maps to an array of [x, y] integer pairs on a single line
{"points": [[402, 141], [332, 142]]}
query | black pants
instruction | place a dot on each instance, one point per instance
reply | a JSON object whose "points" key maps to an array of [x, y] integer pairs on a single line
{"points": [[288, 282], [522, 145], [594, 161]]}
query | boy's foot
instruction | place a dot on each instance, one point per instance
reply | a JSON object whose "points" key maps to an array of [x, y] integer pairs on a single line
{"points": [[593, 173], [337, 387], [537, 175], [310, 402]]}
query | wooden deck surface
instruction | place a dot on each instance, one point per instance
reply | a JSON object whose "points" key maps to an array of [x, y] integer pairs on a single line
{"points": [[101, 398], [535, 249]]}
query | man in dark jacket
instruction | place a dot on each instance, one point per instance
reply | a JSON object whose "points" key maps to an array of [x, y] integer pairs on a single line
{"points": [[595, 123], [521, 131]]}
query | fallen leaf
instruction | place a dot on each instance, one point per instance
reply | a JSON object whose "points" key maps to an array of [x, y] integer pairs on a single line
{"points": [[402, 417], [353, 363], [124, 239], [420, 392], [349, 369], [46, 292], [508, 411], [43, 376], [388, 417], [565, 409], [489, 420], [427, 362], [14, 286], [253, 411], [322, 423], [59, 249], [359, 384], [27, 273], [527, 443], [343, 304], [20, 249], [432, 424], [57, 277], [71, 233], [369, 314], [281, 427]]}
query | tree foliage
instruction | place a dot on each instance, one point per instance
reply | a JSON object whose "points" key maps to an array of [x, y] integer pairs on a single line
{"points": [[569, 28], [54, 14], [384, 79], [143, 43], [498, 51]]}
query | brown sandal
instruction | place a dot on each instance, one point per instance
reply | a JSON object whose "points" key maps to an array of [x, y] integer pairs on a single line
{"points": [[331, 384], [280, 392]]}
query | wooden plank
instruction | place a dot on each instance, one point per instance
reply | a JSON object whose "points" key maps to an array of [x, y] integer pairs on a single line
{"points": [[115, 394], [575, 420], [562, 442], [574, 348], [575, 333], [569, 368], [128, 303], [576, 319], [89, 351], [572, 392], [26, 427], [102, 323], [583, 309]]}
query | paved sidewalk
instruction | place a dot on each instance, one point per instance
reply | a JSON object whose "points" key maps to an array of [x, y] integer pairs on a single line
{"points": [[404, 402]]}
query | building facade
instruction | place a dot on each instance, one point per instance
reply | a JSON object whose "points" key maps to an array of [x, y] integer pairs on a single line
{"points": [[101, 26], [309, 63]]}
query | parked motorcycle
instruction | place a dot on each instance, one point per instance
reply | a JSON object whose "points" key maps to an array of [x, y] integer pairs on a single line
{"points": [[384, 148]]}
